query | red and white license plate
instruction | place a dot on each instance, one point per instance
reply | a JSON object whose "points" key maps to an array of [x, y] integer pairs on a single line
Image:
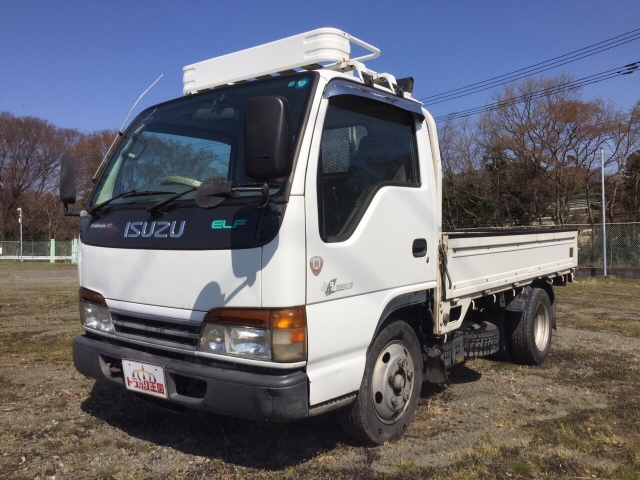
{"points": [[144, 378]]}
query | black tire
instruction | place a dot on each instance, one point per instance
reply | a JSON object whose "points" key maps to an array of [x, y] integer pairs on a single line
{"points": [[531, 333], [480, 340], [388, 395]]}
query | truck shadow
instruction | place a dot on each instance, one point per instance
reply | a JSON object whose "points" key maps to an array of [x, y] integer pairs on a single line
{"points": [[461, 374], [247, 443], [253, 444], [458, 375]]}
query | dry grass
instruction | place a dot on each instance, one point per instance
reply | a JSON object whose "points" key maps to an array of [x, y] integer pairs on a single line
{"points": [[574, 417], [601, 304]]}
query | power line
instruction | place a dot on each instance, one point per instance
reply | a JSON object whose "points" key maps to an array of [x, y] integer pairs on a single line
{"points": [[535, 68], [598, 77], [633, 33], [530, 96], [515, 78]]}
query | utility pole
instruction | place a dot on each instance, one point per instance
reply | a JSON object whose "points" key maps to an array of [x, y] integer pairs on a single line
{"points": [[604, 214], [20, 222]]}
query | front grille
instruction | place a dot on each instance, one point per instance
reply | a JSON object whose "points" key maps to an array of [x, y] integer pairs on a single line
{"points": [[161, 331]]}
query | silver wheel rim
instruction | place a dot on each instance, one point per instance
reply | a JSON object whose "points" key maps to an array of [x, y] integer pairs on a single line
{"points": [[392, 382], [541, 327]]}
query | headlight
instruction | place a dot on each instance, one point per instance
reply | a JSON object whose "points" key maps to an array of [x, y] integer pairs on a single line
{"points": [[272, 335], [245, 341], [94, 313]]}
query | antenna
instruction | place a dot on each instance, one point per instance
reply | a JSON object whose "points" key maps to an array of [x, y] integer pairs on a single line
{"points": [[120, 132]]}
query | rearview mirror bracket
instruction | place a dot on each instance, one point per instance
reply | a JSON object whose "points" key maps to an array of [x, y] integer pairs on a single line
{"points": [[67, 213]]}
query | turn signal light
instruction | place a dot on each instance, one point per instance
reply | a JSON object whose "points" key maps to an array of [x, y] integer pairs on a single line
{"points": [[89, 296], [239, 316], [289, 334], [288, 318]]}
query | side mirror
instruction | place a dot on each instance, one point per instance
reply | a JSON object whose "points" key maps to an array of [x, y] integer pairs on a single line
{"points": [[68, 182], [266, 139]]}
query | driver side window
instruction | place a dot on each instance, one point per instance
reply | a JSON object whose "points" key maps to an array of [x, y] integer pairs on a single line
{"points": [[366, 145]]}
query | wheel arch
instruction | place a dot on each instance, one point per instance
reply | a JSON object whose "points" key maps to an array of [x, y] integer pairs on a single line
{"points": [[411, 308], [521, 302], [547, 287]]}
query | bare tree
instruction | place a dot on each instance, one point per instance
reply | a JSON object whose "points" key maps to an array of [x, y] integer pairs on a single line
{"points": [[623, 146], [30, 151], [463, 191], [542, 123], [89, 151]]}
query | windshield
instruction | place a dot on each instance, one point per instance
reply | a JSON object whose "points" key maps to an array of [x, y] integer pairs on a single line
{"points": [[175, 146]]}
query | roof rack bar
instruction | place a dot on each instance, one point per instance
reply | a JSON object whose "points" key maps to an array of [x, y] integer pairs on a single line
{"points": [[320, 48], [375, 52]]}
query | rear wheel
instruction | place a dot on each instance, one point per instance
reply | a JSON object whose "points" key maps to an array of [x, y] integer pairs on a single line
{"points": [[388, 395], [531, 334]]}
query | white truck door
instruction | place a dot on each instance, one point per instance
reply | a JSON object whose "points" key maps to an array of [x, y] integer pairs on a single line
{"points": [[371, 231]]}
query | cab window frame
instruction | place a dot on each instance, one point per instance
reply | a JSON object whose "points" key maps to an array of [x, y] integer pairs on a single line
{"points": [[361, 205]]}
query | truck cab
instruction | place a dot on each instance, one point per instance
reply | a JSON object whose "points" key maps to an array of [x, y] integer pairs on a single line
{"points": [[269, 246]]}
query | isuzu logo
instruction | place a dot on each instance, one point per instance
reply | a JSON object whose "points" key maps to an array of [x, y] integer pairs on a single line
{"points": [[154, 229]]}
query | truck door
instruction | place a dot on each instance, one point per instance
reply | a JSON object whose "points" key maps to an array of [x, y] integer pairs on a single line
{"points": [[371, 231]]}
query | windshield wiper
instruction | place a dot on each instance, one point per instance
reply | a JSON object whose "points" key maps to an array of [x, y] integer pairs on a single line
{"points": [[213, 191], [157, 206], [131, 193]]}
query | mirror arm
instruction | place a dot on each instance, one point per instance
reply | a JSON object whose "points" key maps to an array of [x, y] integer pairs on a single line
{"points": [[67, 213], [263, 189], [265, 195], [212, 192]]}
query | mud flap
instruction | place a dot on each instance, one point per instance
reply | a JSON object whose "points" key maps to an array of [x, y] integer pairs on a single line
{"points": [[435, 370]]}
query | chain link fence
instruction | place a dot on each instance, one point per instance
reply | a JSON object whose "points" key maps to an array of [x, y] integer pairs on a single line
{"points": [[38, 250], [623, 245]]}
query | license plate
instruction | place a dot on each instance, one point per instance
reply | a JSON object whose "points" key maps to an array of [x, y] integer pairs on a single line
{"points": [[144, 378]]}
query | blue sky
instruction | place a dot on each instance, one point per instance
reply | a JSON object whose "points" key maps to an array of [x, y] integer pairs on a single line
{"points": [[82, 64]]}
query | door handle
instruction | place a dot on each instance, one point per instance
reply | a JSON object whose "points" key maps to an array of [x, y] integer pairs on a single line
{"points": [[419, 247]]}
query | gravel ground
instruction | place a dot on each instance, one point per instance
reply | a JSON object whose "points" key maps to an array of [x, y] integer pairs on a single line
{"points": [[575, 416]]}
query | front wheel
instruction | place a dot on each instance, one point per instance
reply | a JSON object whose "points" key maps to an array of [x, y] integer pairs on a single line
{"points": [[531, 334], [388, 395]]}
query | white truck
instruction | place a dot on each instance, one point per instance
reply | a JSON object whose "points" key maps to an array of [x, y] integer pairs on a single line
{"points": [[270, 246]]}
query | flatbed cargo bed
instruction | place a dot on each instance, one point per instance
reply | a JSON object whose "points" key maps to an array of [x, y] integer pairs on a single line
{"points": [[492, 260]]}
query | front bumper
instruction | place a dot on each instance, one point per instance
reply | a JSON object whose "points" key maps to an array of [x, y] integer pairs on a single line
{"points": [[278, 397]]}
